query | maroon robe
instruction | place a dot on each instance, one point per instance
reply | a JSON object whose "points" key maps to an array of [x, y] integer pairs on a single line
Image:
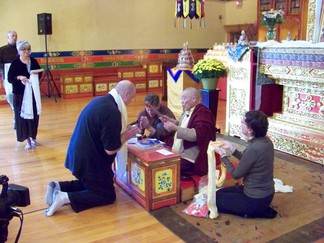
{"points": [[203, 121]]}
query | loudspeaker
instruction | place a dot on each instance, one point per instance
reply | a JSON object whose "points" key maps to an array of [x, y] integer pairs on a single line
{"points": [[44, 22]]}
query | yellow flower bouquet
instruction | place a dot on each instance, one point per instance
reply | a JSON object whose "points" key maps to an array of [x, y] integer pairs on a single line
{"points": [[209, 68]]}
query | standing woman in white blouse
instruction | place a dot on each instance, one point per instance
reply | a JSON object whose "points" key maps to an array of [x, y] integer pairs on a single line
{"points": [[19, 77]]}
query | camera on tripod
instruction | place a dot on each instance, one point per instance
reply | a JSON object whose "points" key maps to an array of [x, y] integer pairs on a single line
{"points": [[11, 195]]}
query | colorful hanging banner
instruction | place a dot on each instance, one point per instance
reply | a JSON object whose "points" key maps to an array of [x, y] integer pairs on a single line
{"points": [[178, 10], [194, 9], [186, 8], [198, 8], [202, 8]]}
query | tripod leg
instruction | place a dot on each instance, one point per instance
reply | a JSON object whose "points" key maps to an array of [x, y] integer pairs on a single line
{"points": [[41, 81], [49, 76], [49, 81], [55, 86], [48, 85]]}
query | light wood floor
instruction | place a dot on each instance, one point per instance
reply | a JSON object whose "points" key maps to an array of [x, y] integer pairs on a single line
{"points": [[124, 221]]}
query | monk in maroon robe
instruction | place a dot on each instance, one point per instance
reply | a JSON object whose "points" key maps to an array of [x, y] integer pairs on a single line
{"points": [[196, 127]]}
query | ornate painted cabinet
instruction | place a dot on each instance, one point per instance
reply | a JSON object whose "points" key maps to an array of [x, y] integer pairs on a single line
{"points": [[153, 179]]}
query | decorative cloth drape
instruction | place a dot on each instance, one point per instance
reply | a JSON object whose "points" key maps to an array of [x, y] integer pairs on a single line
{"points": [[236, 52], [175, 74], [192, 9]]}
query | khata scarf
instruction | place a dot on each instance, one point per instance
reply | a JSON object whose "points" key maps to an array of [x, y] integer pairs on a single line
{"points": [[121, 156], [31, 87], [178, 143]]}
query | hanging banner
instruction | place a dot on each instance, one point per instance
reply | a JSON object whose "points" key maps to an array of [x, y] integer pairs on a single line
{"points": [[194, 9], [178, 9], [186, 8], [198, 8]]}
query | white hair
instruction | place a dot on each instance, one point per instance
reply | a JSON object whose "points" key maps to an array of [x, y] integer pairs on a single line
{"points": [[22, 44]]}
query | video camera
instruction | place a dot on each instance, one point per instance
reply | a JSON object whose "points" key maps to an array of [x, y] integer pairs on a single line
{"points": [[11, 195]]}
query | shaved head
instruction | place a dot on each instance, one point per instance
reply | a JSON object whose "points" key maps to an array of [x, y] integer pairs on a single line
{"points": [[193, 93], [190, 97], [126, 89]]}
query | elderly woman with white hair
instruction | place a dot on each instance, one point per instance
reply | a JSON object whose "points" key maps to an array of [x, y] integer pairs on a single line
{"points": [[19, 75]]}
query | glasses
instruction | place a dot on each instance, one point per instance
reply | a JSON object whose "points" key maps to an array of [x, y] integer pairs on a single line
{"points": [[25, 49]]}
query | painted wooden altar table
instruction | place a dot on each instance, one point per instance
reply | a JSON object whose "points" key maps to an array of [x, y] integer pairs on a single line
{"points": [[153, 176]]}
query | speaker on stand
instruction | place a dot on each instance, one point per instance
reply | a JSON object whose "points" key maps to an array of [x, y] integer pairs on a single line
{"points": [[44, 22]]}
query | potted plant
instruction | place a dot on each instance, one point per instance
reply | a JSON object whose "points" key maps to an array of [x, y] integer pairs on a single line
{"points": [[209, 71], [270, 19]]}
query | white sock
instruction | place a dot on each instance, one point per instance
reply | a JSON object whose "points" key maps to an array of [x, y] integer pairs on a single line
{"points": [[33, 142], [52, 187], [28, 144], [60, 199]]}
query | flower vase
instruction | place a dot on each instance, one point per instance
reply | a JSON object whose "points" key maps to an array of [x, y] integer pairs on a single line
{"points": [[209, 83], [271, 34]]}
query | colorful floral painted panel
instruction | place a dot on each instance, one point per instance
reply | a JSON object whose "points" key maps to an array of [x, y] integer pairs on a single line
{"points": [[163, 181], [138, 176]]}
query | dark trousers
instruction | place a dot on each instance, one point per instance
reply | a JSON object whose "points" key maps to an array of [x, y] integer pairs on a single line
{"points": [[232, 200], [87, 194], [25, 128]]}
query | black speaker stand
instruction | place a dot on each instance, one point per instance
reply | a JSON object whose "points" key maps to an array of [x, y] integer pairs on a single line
{"points": [[48, 77]]}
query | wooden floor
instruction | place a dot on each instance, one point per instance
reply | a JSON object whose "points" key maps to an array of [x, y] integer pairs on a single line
{"points": [[124, 221]]}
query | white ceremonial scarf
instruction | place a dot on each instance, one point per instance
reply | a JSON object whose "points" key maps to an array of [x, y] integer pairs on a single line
{"points": [[32, 86], [178, 143], [8, 86], [121, 156], [214, 181]]}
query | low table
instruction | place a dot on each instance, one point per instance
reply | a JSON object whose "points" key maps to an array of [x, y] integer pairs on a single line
{"points": [[153, 178]]}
